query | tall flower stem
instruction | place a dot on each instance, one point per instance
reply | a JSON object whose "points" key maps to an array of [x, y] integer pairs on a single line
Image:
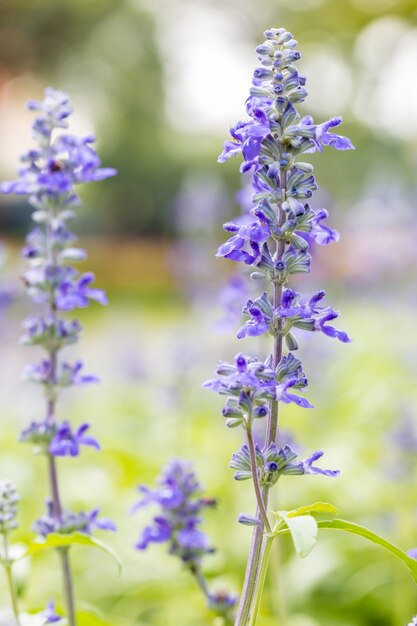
{"points": [[272, 424], [261, 581], [10, 581], [271, 143], [250, 587], [48, 179], [63, 552], [201, 581]]}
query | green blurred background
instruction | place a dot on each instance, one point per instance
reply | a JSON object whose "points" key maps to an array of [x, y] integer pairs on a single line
{"points": [[160, 82]]}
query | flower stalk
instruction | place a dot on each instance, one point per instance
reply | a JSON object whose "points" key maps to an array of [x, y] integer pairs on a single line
{"points": [[271, 143], [48, 178]]}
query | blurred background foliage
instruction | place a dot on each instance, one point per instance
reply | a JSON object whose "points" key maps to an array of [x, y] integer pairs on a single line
{"points": [[160, 82]]}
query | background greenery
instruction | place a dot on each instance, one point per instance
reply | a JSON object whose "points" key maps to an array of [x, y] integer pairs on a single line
{"points": [[152, 233]]}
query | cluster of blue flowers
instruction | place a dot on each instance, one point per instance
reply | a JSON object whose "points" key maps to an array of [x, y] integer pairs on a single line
{"points": [[70, 522], [47, 178], [274, 237], [179, 503]]}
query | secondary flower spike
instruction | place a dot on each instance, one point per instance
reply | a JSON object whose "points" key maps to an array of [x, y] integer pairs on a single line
{"points": [[179, 505], [48, 178]]}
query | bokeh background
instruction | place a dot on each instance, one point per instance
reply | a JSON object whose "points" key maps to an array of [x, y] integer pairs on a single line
{"points": [[160, 82]]}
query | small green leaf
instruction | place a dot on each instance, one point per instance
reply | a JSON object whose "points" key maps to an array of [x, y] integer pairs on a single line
{"points": [[56, 540], [317, 507], [303, 529]]}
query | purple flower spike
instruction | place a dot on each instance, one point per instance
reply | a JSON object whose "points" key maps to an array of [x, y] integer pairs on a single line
{"points": [[178, 502], [48, 176], [76, 294]]}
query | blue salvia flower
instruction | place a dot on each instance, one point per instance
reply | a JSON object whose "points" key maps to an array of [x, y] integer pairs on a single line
{"points": [[179, 505], [177, 523], [273, 462], [48, 177], [250, 384], [292, 312]]}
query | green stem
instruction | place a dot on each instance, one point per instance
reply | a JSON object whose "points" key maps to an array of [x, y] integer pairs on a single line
{"points": [[251, 584], [261, 581], [10, 581], [68, 586], [201, 581], [255, 478], [51, 416], [251, 578]]}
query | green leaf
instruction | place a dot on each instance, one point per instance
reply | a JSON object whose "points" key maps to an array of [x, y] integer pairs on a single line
{"points": [[356, 529], [317, 507], [56, 540], [302, 526], [303, 529]]}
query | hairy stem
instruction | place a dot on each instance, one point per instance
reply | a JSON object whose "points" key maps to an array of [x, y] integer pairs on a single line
{"points": [[255, 558], [255, 478], [52, 467], [200, 579], [249, 585], [261, 581], [10, 581]]}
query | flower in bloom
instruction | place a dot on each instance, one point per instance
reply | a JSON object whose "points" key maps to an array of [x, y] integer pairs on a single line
{"points": [[70, 522], [293, 311], [413, 622], [250, 383], [177, 523], [67, 442], [273, 462], [253, 234]]}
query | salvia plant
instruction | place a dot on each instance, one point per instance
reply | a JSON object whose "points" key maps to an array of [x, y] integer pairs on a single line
{"points": [[274, 239], [48, 177]]}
